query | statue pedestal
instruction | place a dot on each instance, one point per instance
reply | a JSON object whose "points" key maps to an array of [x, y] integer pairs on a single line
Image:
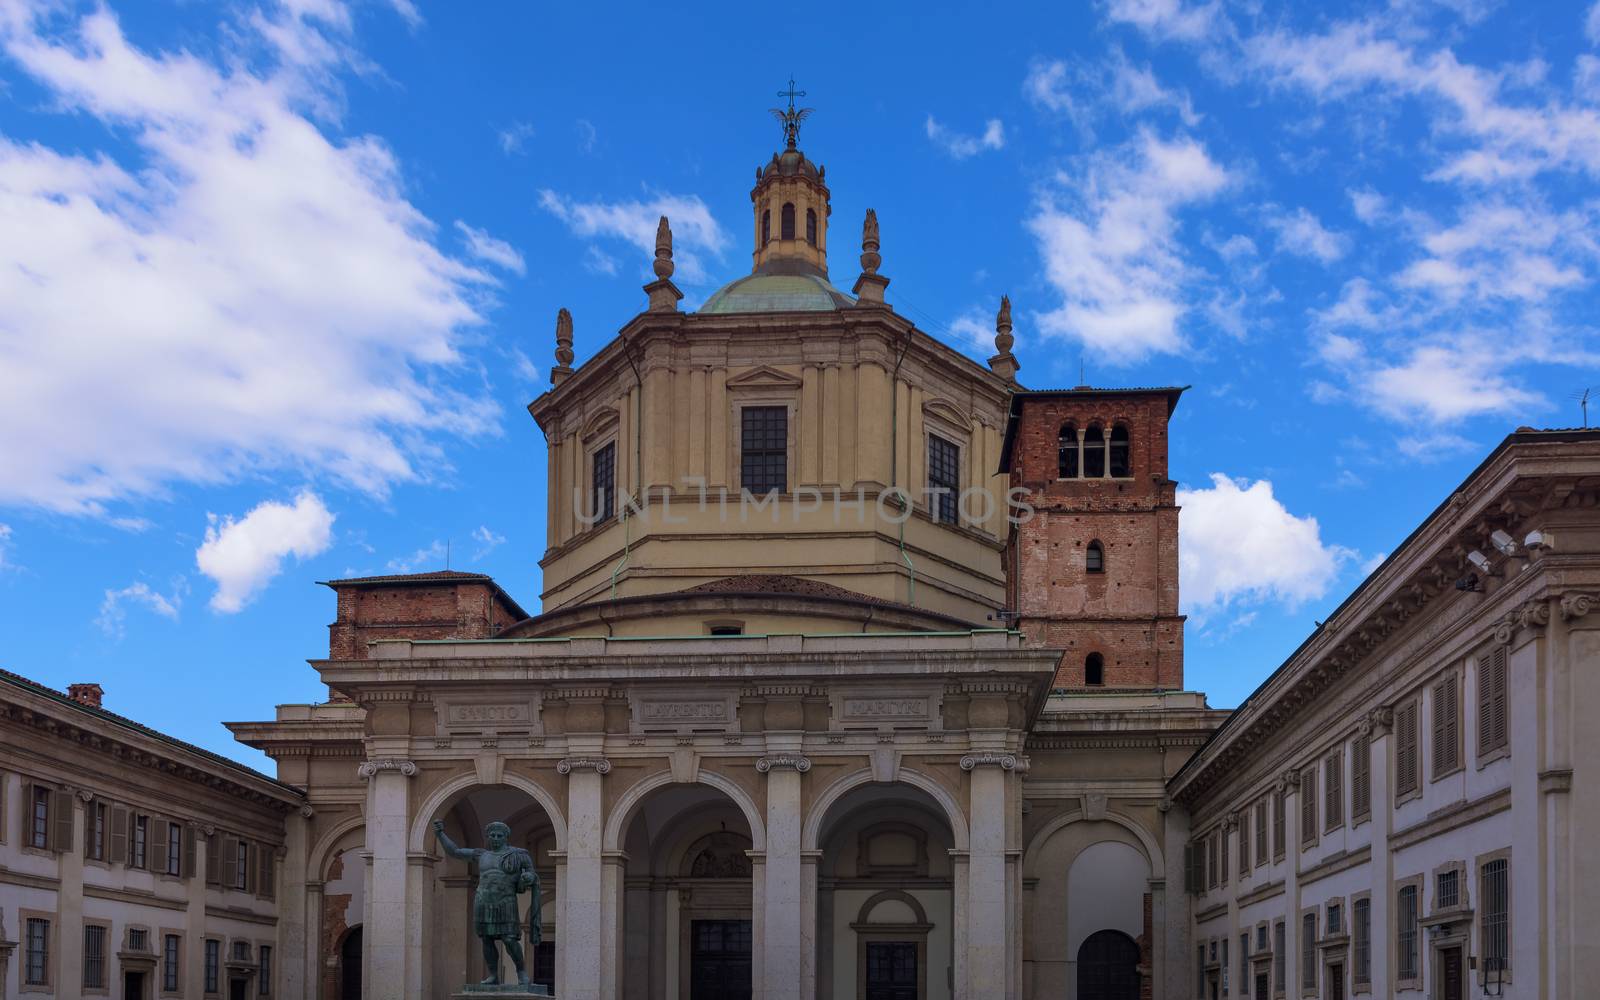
{"points": [[479, 991]]}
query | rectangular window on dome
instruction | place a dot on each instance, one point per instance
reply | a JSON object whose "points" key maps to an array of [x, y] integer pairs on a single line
{"points": [[944, 478], [603, 483], [764, 449]]}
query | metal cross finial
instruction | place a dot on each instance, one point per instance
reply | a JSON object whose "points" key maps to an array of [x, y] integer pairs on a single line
{"points": [[792, 117], [791, 93]]}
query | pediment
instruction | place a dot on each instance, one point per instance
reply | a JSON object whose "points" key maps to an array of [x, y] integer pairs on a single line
{"points": [[944, 410], [599, 422], [764, 377]]}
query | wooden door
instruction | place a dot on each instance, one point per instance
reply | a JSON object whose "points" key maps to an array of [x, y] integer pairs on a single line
{"points": [[891, 970], [1450, 974], [719, 960]]}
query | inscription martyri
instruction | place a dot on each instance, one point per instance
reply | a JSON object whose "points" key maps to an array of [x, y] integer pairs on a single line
{"points": [[886, 708]]}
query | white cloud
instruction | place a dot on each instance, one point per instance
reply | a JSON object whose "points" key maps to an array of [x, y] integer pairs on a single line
{"points": [[694, 231], [1358, 307], [491, 250], [219, 241], [962, 146], [487, 541], [113, 616], [5, 548], [586, 135], [1108, 235], [1300, 233], [1167, 18], [514, 138], [1368, 204], [1047, 86], [974, 332], [243, 555], [1087, 90], [1591, 24], [1446, 382], [1135, 88], [1501, 250], [430, 557], [1238, 543]]}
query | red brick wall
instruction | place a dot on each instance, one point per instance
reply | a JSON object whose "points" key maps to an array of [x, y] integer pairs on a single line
{"points": [[470, 609], [1129, 612]]}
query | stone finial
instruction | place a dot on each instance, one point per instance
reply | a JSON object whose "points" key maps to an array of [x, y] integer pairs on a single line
{"points": [[563, 367], [664, 295], [1004, 364], [663, 265], [869, 287]]}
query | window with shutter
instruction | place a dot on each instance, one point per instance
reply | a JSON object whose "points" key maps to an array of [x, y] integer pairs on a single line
{"points": [[119, 835], [230, 862], [1222, 855], [1261, 832], [1446, 727], [264, 871], [1492, 734], [1308, 951], [188, 850], [1279, 837], [1407, 773], [213, 860], [1361, 778], [1244, 843], [61, 821], [1211, 861], [1308, 806], [156, 858], [1333, 790], [1190, 882]]}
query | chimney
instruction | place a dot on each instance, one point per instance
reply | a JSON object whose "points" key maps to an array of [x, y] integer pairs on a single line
{"points": [[86, 694]]}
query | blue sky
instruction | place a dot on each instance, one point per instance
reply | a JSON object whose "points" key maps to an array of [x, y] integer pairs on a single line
{"points": [[277, 280]]}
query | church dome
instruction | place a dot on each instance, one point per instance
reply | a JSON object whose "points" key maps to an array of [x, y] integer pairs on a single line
{"points": [[768, 292]]}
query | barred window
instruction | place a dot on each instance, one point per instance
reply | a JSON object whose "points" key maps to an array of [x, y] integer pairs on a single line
{"points": [[1492, 701], [1361, 778], [1446, 726], [138, 939], [264, 971], [1406, 933], [36, 970], [1308, 951], [1495, 898], [764, 449], [1280, 961], [1244, 965], [1362, 916], [944, 478], [603, 482], [94, 957], [1335, 919], [169, 963], [1448, 890], [213, 965], [1261, 938]]}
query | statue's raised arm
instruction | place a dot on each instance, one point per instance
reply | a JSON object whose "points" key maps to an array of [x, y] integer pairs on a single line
{"points": [[450, 848]]}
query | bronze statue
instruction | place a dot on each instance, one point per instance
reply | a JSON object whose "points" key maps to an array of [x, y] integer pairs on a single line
{"points": [[503, 873]]}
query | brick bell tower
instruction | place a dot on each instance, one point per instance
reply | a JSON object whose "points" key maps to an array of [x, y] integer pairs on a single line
{"points": [[1094, 569]]}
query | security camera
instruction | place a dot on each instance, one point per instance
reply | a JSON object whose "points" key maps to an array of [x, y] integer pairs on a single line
{"points": [[1504, 542], [1539, 540], [1479, 560]]}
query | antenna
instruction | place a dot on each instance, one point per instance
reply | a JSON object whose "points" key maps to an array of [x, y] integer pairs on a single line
{"points": [[447, 553], [1583, 396]]}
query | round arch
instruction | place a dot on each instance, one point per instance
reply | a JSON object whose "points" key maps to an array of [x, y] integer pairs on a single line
{"points": [[317, 859], [812, 831], [628, 804], [418, 839], [1152, 851]]}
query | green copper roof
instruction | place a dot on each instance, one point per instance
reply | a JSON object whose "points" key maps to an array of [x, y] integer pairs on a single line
{"points": [[766, 293]]}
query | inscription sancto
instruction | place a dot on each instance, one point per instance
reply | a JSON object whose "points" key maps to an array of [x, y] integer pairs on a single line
{"points": [[470, 714]]}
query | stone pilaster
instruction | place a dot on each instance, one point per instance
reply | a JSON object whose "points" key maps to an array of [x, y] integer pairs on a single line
{"points": [[386, 937], [788, 929], [69, 905], [582, 926], [989, 924]]}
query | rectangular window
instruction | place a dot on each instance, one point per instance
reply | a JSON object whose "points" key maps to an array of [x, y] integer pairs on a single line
{"points": [[264, 971], [94, 957], [1200, 971], [1244, 844], [36, 967], [1224, 966], [1308, 806], [39, 833], [603, 483], [1280, 961], [1492, 733], [1446, 726], [141, 831], [174, 852], [1308, 951], [1279, 840], [1333, 790], [1447, 891], [1244, 965], [138, 939], [1406, 933], [169, 964], [1261, 835], [1361, 778], [213, 965], [1496, 901], [1261, 938], [944, 479], [1407, 770], [241, 877], [1362, 909], [97, 832], [764, 449], [1335, 919]]}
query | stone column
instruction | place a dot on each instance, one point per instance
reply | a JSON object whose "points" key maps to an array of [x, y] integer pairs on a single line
{"points": [[385, 937], [988, 914], [583, 922], [1378, 726], [311, 952], [788, 912]]}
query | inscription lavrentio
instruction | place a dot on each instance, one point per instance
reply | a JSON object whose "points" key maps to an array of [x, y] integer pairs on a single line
{"points": [[684, 711]]}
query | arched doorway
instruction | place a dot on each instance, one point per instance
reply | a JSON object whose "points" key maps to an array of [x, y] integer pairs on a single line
{"points": [[687, 914], [1108, 967], [350, 965]]}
